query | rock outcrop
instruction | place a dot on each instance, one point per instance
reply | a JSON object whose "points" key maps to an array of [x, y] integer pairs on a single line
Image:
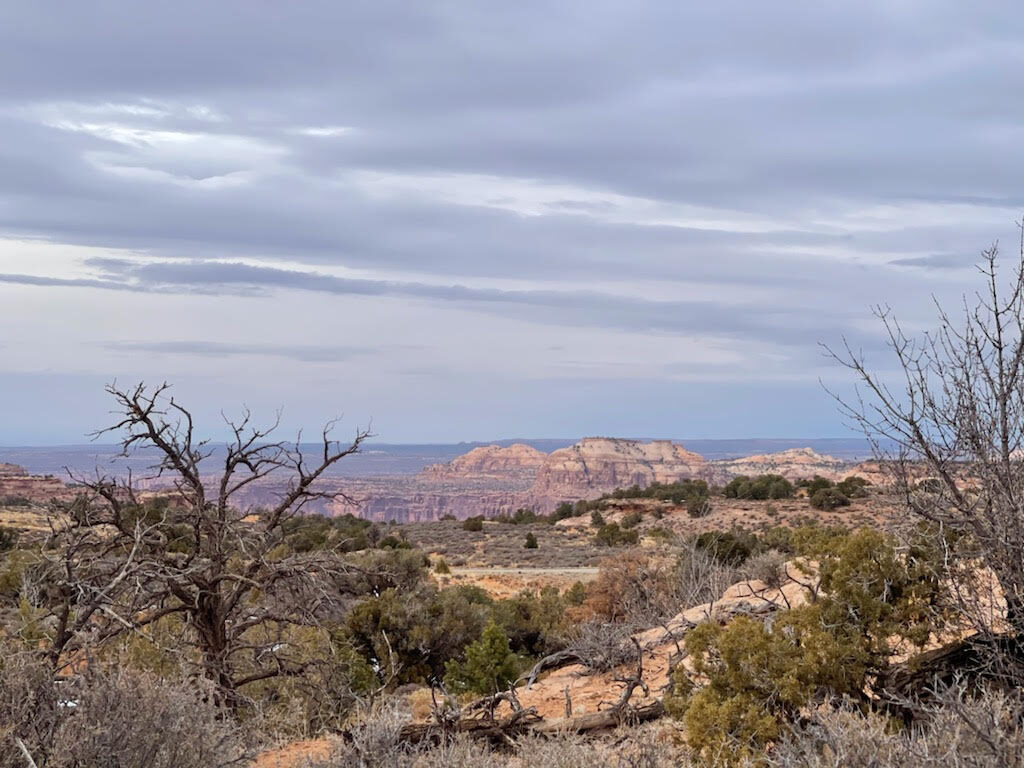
{"points": [[597, 465], [17, 483], [515, 462], [492, 480], [794, 464]]}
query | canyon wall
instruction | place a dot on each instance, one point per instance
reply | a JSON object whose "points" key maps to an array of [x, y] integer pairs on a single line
{"points": [[495, 480], [598, 465], [16, 483]]}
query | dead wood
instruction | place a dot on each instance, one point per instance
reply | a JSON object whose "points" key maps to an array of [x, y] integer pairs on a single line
{"points": [[478, 721]]}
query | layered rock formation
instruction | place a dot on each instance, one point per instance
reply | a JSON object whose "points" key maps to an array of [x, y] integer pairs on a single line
{"points": [[17, 483], [516, 462], [597, 465], [494, 480], [794, 464], [491, 480]]}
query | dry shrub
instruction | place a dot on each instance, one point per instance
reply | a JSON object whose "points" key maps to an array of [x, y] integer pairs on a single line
{"points": [[374, 743], [698, 578], [117, 718], [603, 645], [768, 567], [30, 709], [419, 702], [642, 589], [983, 731]]}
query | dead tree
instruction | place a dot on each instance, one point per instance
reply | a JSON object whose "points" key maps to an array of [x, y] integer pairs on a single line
{"points": [[197, 562], [479, 720], [951, 433]]}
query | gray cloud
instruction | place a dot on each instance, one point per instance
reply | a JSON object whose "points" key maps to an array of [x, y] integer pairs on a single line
{"points": [[582, 308], [737, 177], [937, 261], [301, 352]]}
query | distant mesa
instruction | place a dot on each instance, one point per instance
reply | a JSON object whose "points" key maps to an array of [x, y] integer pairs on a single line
{"points": [[513, 461], [794, 464], [17, 483], [597, 465], [494, 480]]}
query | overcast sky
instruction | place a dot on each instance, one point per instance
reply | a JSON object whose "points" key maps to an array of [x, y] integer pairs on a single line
{"points": [[473, 220]]}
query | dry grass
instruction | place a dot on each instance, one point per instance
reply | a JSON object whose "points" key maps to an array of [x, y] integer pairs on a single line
{"points": [[501, 545]]}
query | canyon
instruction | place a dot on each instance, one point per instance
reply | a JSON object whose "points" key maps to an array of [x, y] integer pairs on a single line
{"points": [[492, 480]]}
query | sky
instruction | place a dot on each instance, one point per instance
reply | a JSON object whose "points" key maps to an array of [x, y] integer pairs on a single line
{"points": [[464, 220]]}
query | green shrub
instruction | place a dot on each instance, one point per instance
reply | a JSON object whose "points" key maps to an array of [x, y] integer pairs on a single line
{"points": [[759, 488], [534, 622], [874, 598], [676, 493], [473, 524], [596, 519], [829, 498], [576, 594], [727, 547], [631, 519], [661, 533], [8, 538], [698, 506], [611, 535], [490, 664], [531, 541], [853, 487], [417, 629], [816, 484], [563, 511], [393, 542], [522, 516], [441, 566]]}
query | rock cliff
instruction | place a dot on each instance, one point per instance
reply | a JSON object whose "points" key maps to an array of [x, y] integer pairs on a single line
{"points": [[16, 483], [597, 465], [515, 462]]}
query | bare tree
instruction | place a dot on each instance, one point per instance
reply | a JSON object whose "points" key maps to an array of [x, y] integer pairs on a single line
{"points": [[198, 562], [951, 433]]}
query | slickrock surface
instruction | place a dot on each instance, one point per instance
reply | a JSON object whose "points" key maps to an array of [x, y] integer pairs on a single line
{"points": [[589, 692], [593, 692]]}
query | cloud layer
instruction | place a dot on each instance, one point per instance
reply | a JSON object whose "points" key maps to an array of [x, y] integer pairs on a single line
{"points": [[401, 210]]}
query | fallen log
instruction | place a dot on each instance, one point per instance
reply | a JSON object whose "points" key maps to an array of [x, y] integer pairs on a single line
{"points": [[605, 720], [498, 732], [554, 661], [478, 721]]}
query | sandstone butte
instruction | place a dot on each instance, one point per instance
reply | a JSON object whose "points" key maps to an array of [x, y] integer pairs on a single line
{"points": [[597, 465], [493, 480], [515, 460], [794, 464]]}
